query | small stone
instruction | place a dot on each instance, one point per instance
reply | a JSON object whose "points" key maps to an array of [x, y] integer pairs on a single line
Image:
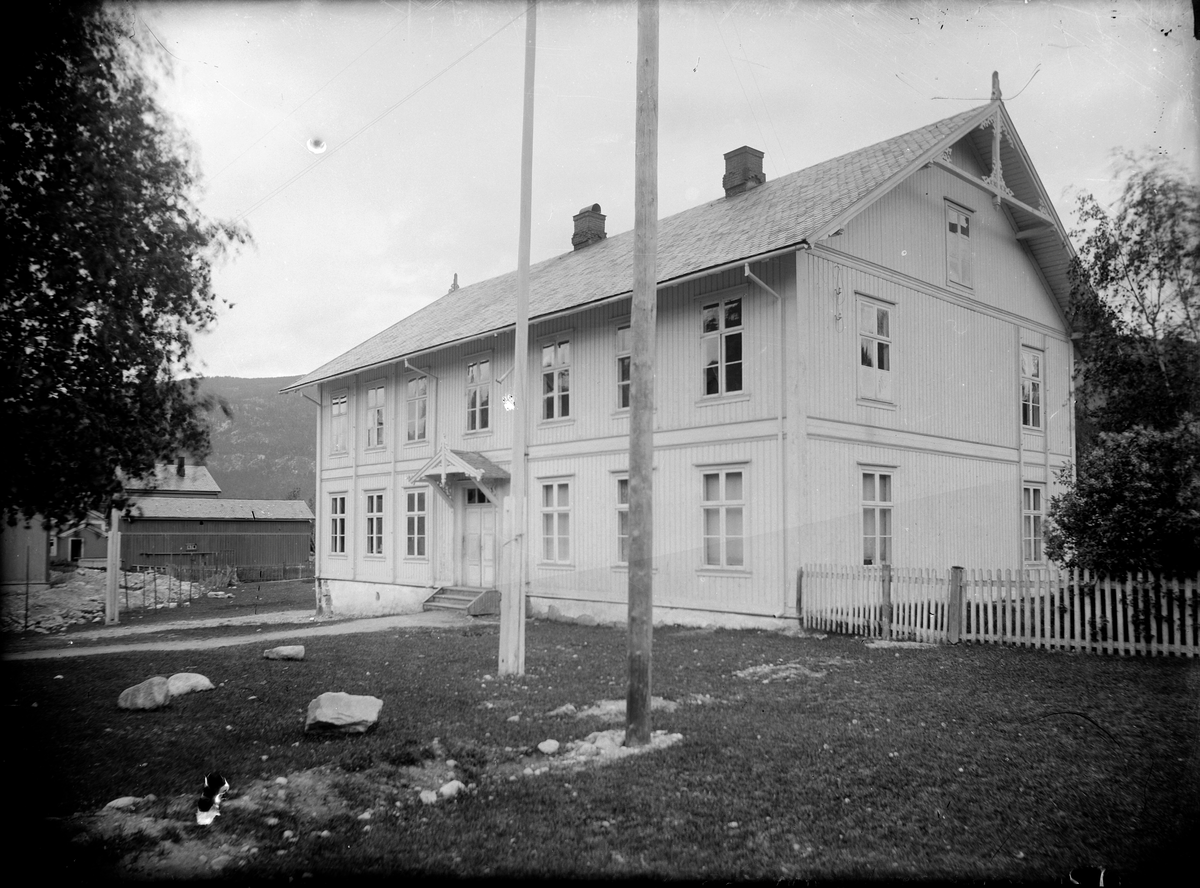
{"points": [[281, 781], [286, 652], [365, 815], [343, 713], [451, 763], [122, 803], [514, 718], [586, 750], [565, 709], [287, 833], [188, 682], [548, 747], [272, 821], [451, 789], [428, 796]]}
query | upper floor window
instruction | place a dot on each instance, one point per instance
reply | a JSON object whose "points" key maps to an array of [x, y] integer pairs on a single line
{"points": [[339, 423], [479, 394], [874, 350], [374, 423], [556, 379], [1031, 522], [624, 358], [723, 511], [960, 257], [374, 523], [1031, 389], [414, 531], [556, 522], [721, 346], [877, 517], [417, 404], [337, 524]]}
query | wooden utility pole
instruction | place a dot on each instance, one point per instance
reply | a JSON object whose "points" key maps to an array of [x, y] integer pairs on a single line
{"points": [[641, 388], [111, 613], [512, 599]]}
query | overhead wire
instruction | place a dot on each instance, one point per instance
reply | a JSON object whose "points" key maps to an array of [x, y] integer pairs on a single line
{"points": [[333, 151]]}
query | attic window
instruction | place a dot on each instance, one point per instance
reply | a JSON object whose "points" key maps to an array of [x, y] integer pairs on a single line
{"points": [[960, 254]]}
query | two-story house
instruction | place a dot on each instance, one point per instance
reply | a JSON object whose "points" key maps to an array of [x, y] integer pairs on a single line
{"points": [[865, 361]]}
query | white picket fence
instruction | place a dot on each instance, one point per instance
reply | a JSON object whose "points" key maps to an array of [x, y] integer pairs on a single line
{"points": [[1047, 608]]}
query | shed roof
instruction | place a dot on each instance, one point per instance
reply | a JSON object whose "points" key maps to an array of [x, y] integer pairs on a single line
{"points": [[795, 209], [216, 509]]}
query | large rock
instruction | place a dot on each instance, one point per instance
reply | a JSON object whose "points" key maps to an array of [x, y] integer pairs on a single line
{"points": [[153, 693], [287, 652], [187, 682], [341, 713]]}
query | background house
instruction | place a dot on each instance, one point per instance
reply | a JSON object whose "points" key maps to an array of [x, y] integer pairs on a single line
{"points": [[866, 361], [177, 518]]}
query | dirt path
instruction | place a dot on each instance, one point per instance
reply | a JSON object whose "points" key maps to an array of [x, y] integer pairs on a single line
{"points": [[91, 643]]}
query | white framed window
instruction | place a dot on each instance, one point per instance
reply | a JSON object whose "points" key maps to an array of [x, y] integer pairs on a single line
{"points": [[375, 415], [416, 408], [1032, 516], [374, 523], [624, 364], [874, 350], [960, 256], [339, 422], [556, 378], [622, 520], [479, 394], [721, 346], [1031, 389], [414, 524], [876, 516], [556, 521], [337, 524], [723, 511]]}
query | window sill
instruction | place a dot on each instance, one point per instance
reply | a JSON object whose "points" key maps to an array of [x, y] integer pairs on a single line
{"points": [[554, 423], [378, 448], [415, 559], [1033, 430], [879, 405], [477, 433], [714, 400], [554, 565], [424, 442], [340, 556], [711, 571]]}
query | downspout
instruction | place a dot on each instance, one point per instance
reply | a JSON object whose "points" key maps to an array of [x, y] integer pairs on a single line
{"points": [[779, 432]]}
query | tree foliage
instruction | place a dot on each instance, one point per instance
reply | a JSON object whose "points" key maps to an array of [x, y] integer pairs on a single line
{"points": [[106, 263], [1135, 310], [1134, 501], [1133, 505]]}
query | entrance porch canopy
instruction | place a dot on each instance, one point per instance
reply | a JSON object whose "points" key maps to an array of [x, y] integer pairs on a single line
{"points": [[447, 467]]}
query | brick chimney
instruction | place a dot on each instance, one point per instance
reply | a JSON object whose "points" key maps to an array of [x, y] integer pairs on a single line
{"points": [[589, 227], [743, 170]]}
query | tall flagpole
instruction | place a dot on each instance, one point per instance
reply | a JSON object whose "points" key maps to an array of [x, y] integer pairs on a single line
{"points": [[641, 390], [512, 599]]}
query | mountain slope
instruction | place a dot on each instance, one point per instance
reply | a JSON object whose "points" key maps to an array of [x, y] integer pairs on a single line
{"points": [[267, 449]]}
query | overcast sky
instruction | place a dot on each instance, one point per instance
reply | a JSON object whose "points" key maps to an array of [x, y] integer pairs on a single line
{"points": [[419, 105]]}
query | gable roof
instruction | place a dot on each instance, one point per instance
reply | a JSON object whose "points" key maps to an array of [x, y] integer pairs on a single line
{"points": [[794, 210], [166, 481], [202, 508]]}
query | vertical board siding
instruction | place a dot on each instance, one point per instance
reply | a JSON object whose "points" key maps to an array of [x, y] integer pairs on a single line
{"points": [[951, 366], [159, 542], [905, 229]]}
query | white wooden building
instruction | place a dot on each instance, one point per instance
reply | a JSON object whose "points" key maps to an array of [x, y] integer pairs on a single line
{"points": [[863, 361]]}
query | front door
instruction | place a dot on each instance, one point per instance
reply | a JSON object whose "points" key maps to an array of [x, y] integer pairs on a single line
{"points": [[479, 540]]}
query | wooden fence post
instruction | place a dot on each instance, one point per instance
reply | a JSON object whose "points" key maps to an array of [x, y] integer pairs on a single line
{"points": [[886, 575], [800, 595], [954, 608]]}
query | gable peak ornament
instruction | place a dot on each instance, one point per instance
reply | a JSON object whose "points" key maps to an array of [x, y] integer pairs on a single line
{"points": [[996, 86]]}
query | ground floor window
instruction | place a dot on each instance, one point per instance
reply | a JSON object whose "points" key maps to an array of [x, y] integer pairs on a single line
{"points": [[622, 520], [723, 513], [877, 517], [337, 524], [556, 522], [414, 519], [374, 523], [1031, 522]]}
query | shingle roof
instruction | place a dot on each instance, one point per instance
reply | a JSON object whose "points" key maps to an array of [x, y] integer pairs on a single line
{"points": [[215, 509], [775, 215]]}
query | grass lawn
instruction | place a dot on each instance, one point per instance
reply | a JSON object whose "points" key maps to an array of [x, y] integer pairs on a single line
{"points": [[965, 762]]}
